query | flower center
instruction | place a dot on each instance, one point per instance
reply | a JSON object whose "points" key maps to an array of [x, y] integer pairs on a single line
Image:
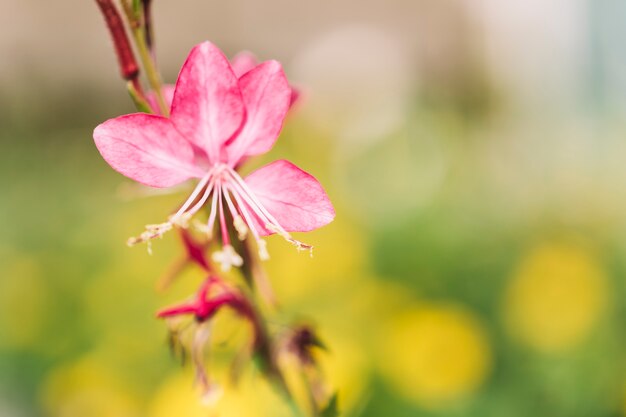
{"points": [[227, 191]]}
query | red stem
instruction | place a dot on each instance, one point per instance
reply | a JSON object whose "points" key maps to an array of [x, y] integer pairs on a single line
{"points": [[128, 65]]}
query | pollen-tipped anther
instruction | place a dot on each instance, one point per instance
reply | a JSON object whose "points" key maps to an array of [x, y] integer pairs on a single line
{"points": [[263, 253], [240, 227], [227, 257]]}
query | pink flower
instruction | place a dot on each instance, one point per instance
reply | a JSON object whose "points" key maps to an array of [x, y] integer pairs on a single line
{"points": [[241, 63], [245, 61], [217, 120]]}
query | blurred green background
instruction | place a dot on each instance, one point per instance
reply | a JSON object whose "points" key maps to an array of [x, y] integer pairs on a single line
{"points": [[476, 155]]}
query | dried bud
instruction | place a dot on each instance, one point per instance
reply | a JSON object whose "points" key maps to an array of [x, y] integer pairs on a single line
{"points": [[302, 342]]}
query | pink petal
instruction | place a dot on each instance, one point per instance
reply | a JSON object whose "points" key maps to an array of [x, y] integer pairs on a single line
{"points": [[266, 94], [146, 148], [295, 198], [243, 62], [207, 107], [168, 94]]}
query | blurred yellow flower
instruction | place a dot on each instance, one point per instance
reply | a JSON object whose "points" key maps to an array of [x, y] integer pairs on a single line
{"points": [[88, 388], [252, 397], [434, 354], [555, 297]]}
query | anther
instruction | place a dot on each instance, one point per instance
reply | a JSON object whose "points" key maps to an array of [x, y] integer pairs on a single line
{"points": [[227, 257], [240, 226], [181, 220], [263, 253], [203, 228], [152, 231]]}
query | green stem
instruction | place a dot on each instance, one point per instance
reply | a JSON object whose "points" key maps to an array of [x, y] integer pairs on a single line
{"points": [[138, 98], [152, 73], [154, 78], [264, 346]]}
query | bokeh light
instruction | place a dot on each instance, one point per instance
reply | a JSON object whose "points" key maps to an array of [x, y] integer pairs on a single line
{"points": [[556, 296], [436, 354]]}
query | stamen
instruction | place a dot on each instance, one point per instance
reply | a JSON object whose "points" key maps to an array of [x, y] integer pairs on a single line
{"points": [[252, 200], [212, 214], [240, 225], [194, 194], [199, 204], [225, 236], [299, 245], [270, 222], [203, 228], [152, 231], [263, 254], [180, 219], [262, 247], [227, 257]]}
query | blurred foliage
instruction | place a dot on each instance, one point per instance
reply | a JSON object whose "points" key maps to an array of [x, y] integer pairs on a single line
{"points": [[476, 266], [435, 312]]}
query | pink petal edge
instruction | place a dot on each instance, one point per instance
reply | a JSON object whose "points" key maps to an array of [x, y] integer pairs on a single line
{"points": [[146, 148], [294, 197], [266, 94], [243, 62]]}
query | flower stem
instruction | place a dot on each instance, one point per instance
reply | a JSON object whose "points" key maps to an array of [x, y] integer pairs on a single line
{"points": [[264, 347], [147, 22], [126, 58], [152, 73], [154, 78]]}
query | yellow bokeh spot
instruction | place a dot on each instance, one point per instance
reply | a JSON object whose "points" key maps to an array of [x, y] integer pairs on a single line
{"points": [[88, 388], [435, 354], [251, 397], [556, 295], [23, 303]]}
